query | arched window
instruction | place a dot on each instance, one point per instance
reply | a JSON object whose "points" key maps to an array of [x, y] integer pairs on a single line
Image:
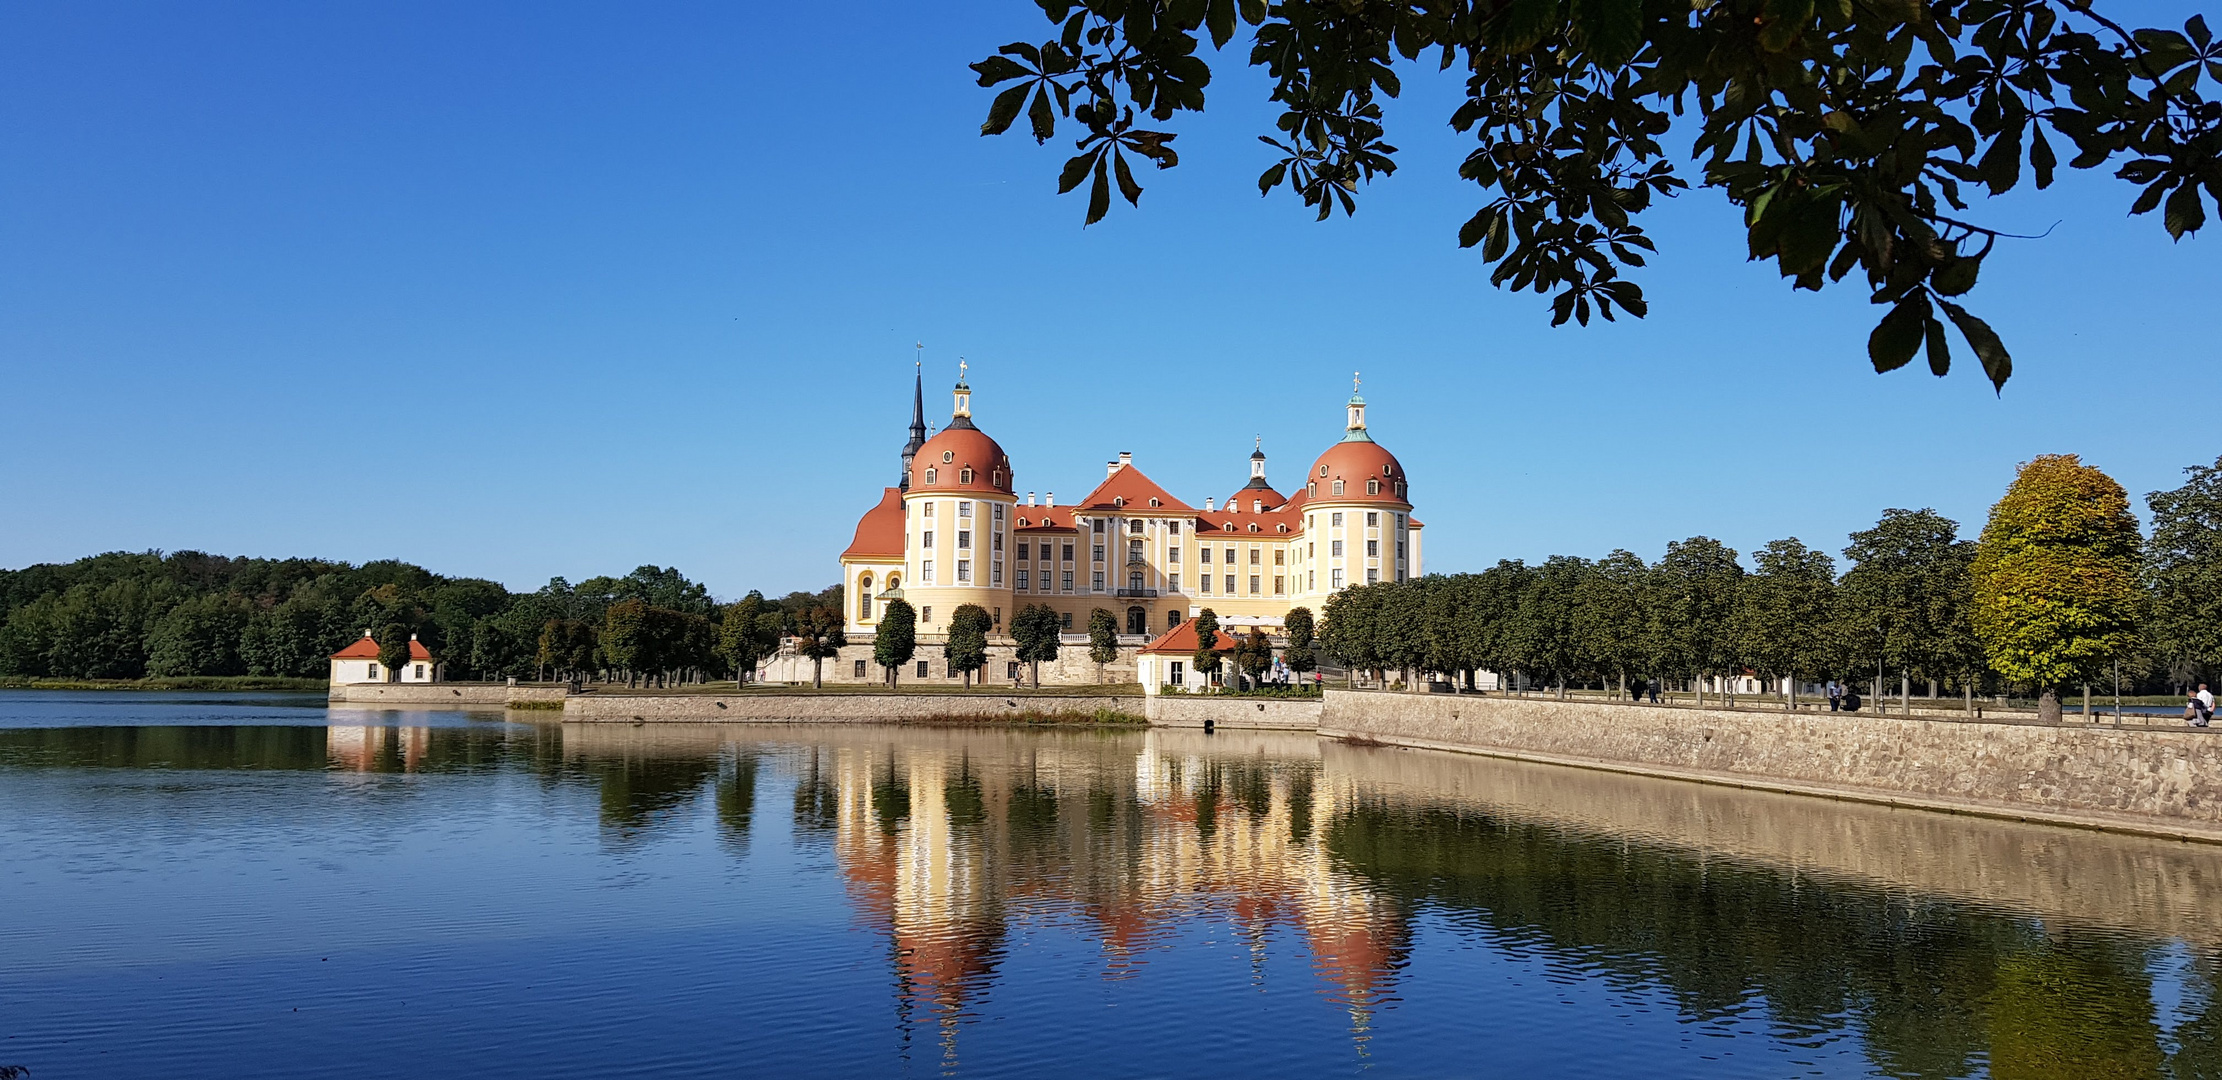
{"points": [[1338, 486], [1118, 500], [1134, 582], [1373, 487], [1155, 501], [1323, 470], [931, 474], [964, 476], [864, 598], [1254, 526], [1311, 491], [1230, 526], [1137, 621], [999, 478], [1385, 471]]}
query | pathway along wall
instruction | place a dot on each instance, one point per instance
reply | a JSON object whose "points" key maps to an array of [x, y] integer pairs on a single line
{"points": [[2152, 781]]}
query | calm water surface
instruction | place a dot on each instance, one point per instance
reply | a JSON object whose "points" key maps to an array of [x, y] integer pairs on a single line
{"points": [[259, 886]]}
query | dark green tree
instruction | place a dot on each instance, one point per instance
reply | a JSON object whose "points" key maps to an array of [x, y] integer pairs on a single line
{"points": [[1299, 654], [1608, 616], [1103, 639], [1849, 135], [2183, 568], [895, 640], [1035, 631], [1253, 655], [1693, 597], [1206, 658], [1783, 613], [820, 633], [966, 648], [745, 637], [1905, 601]]}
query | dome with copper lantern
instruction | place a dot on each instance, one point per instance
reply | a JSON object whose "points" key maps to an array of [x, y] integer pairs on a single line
{"points": [[1357, 469], [960, 458]]}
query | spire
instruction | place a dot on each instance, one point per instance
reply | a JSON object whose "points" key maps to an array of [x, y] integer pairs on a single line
{"points": [[1257, 465], [1355, 430], [917, 417], [961, 415]]}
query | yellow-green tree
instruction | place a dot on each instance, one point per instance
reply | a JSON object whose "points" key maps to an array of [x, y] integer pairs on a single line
{"points": [[2056, 577]]}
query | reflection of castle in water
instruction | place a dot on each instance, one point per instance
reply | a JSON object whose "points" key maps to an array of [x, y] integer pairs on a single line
{"points": [[377, 749], [944, 849]]}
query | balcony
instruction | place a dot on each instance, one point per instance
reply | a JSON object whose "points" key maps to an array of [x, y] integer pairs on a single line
{"points": [[1137, 594]]}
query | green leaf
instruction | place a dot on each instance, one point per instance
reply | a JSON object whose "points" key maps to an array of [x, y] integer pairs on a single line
{"points": [[1991, 351], [1611, 30], [1220, 18], [1099, 194], [1004, 110], [1956, 276], [1074, 172], [1476, 227], [997, 69], [1500, 236], [1253, 11], [1042, 117], [2041, 158], [1781, 22], [1271, 178], [1127, 186], [1893, 342], [1940, 356], [2185, 214], [1522, 23]]}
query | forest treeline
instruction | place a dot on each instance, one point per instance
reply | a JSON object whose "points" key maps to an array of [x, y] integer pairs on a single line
{"points": [[130, 615], [2059, 591]]}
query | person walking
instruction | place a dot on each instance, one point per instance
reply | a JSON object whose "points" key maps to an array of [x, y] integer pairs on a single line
{"points": [[1836, 696], [1651, 686]]}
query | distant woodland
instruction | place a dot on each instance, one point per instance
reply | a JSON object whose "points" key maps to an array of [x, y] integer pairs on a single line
{"points": [[150, 614]]}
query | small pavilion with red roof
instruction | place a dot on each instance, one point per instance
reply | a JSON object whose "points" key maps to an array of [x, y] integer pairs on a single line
{"points": [[358, 663]]}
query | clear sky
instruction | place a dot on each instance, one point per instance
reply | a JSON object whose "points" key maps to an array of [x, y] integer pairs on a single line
{"points": [[523, 290]]}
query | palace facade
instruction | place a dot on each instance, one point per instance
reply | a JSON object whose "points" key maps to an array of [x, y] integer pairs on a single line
{"points": [[954, 530]]}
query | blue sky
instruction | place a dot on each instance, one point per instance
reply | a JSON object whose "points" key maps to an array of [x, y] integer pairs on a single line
{"points": [[515, 292]]}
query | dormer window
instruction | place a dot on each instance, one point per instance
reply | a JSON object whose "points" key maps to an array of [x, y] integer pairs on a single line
{"points": [[1338, 487], [1282, 528], [964, 476], [1155, 501], [1118, 500], [1230, 526], [1022, 523], [998, 478], [1373, 487], [1311, 491], [932, 474], [1254, 526]]}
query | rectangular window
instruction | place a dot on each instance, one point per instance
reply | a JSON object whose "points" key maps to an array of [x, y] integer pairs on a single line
{"points": [[926, 539], [1022, 579], [1095, 581], [926, 614], [1334, 578], [1335, 519], [964, 509], [1311, 550], [1280, 557], [1172, 583], [1098, 525], [370, 671], [964, 538], [1229, 582], [1311, 579], [1010, 669], [1047, 554], [1068, 552], [921, 669], [1204, 554], [929, 510], [1064, 621], [995, 572], [1205, 581], [1175, 672], [859, 673], [1173, 527], [1280, 585], [999, 540], [1253, 584], [926, 571], [1373, 519], [1400, 549], [1334, 548], [1400, 521], [1373, 549], [1172, 556], [1229, 553], [964, 571], [1067, 580], [1255, 556], [1372, 575], [998, 511], [1096, 553]]}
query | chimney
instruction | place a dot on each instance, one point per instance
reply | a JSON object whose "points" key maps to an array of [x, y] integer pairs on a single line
{"points": [[1110, 469], [1207, 504], [1125, 459], [1257, 506], [1029, 498], [1049, 498], [412, 637]]}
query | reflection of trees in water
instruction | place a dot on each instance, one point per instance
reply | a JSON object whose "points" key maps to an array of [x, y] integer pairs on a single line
{"points": [[637, 789], [1940, 989], [298, 749], [736, 798]]}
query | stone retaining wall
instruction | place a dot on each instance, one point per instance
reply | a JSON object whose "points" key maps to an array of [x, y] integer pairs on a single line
{"points": [[774, 708], [1227, 713], [2157, 781], [425, 694]]}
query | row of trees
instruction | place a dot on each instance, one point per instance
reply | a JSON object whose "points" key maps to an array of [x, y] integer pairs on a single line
{"points": [[2059, 592], [125, 615]]}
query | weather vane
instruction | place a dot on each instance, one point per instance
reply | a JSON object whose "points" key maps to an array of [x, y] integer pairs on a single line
{"points": [[962, 367], [918, 358], [1354, 380]]}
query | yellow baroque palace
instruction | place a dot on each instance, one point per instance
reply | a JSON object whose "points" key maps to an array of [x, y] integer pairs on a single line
{"points": [[955, 531]]}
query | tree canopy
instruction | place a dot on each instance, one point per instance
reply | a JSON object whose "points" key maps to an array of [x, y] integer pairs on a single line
{"points": [[2057, 575], [1851, 134], [966, 646], [2184, 568]]}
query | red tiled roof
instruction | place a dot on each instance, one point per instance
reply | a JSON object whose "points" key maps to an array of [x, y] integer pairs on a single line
{"points": [[879, 533], [1127, 482], [1354, 463], [366, 648], [1045, 519], [1181, 640], [953, 450]]}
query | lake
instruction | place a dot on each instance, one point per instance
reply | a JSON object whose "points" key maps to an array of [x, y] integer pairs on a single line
{"points": [[209, 885]]}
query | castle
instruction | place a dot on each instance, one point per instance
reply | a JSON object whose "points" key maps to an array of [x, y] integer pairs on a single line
{"points": [[954, 530]]}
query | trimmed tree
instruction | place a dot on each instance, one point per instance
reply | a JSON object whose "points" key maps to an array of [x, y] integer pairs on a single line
{"points": [[2056, 578], [1782, 613], [2184, 562], [393, 648], [820, 632], [1302, 637], [1253, 655], [1206, 659], [1903, 603], [1693, 594], [1103, 639], [741, 638], [966, 649], [1034, 629], [896, 640]]}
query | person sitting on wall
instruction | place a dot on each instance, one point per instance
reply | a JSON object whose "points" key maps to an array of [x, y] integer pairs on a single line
{"points": [[2199, 710], [1851, 701]]}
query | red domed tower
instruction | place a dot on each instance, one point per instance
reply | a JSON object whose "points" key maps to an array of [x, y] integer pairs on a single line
{"points": [[1357, 506], [957, 519]]}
